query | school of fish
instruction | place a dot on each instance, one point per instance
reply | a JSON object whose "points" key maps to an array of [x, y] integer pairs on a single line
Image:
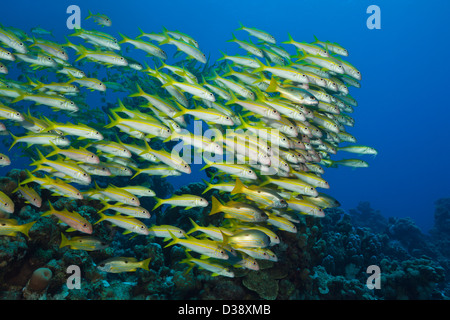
{"points": [[275, 120]]}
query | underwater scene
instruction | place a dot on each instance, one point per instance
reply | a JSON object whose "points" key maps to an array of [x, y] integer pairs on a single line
{"points": [[238, 150]]}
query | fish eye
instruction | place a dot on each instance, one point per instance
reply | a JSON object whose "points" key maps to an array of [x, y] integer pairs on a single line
{"points": [[17, 114], [78, 194], [133, 199], [84, 174], [20, 44], [8, 53], [250, 171], [142, 227], [85, 225], [5, 204]]}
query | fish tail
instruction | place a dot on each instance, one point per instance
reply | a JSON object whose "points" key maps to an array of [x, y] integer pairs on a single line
{"points": [[145, 263], [167, 39], [140, 92], [26, 228], [55, 151], [233, 99], [195, 227], [89, 16], [224, 55], [102, 217], [290, 39], [273, 86], [241, 26], [124, 38], [238, 187], [159, 202], [82, 52], [138, 172], [142, 33], [261, 68], [113, 121], [180, 113], [174, 241], [41, 159], [233, 39], [208, 186], [64, 241], [216, 206], [14, 140]]}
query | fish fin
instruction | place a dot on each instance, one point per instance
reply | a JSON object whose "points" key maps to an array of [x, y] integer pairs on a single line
{"points": [[25, 228], [145, 263], [241, 26], [238, 187], [216, 206], [71, 230], [174, 241], [64, 241], [159, 202], [140, 92], [273, 86], [187, 208]]}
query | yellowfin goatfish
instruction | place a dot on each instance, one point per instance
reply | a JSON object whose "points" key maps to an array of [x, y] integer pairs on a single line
{"points": [[188, 48], [87, 243], [123, 264], [6, 204], [130, 224], [72, 219], [216, 269], [70, 169], [262, 35], [186, 200], [10, 227], [100, 19], [238, 210], [12, 41], [205, 247], [30, 195], [264, 196]]}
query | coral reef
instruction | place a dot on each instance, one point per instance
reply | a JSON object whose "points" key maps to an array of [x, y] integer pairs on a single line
{"points": [[326, 259]]}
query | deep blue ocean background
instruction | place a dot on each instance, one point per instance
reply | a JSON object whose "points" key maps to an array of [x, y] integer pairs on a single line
{"points": [[403, 103]]}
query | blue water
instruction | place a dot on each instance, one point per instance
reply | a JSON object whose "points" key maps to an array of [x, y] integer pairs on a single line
{"points": [[403, 107]]}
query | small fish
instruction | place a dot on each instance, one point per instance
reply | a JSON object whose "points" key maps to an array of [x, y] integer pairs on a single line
{"points": [[216, 269], [10, 227], [30, 195], [80, 154], [305, 207], [72, 219], [116, 194], [87, 243], [123, 264], [130, 224], [205, 247], [251, 238], [262, 35], [264, 196], [68, 168], [100, 19], [4, 160], [186, 200], [41, 31], [238, 210], [6, 204], [166, 232], [133, 211], [359, 149]]}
